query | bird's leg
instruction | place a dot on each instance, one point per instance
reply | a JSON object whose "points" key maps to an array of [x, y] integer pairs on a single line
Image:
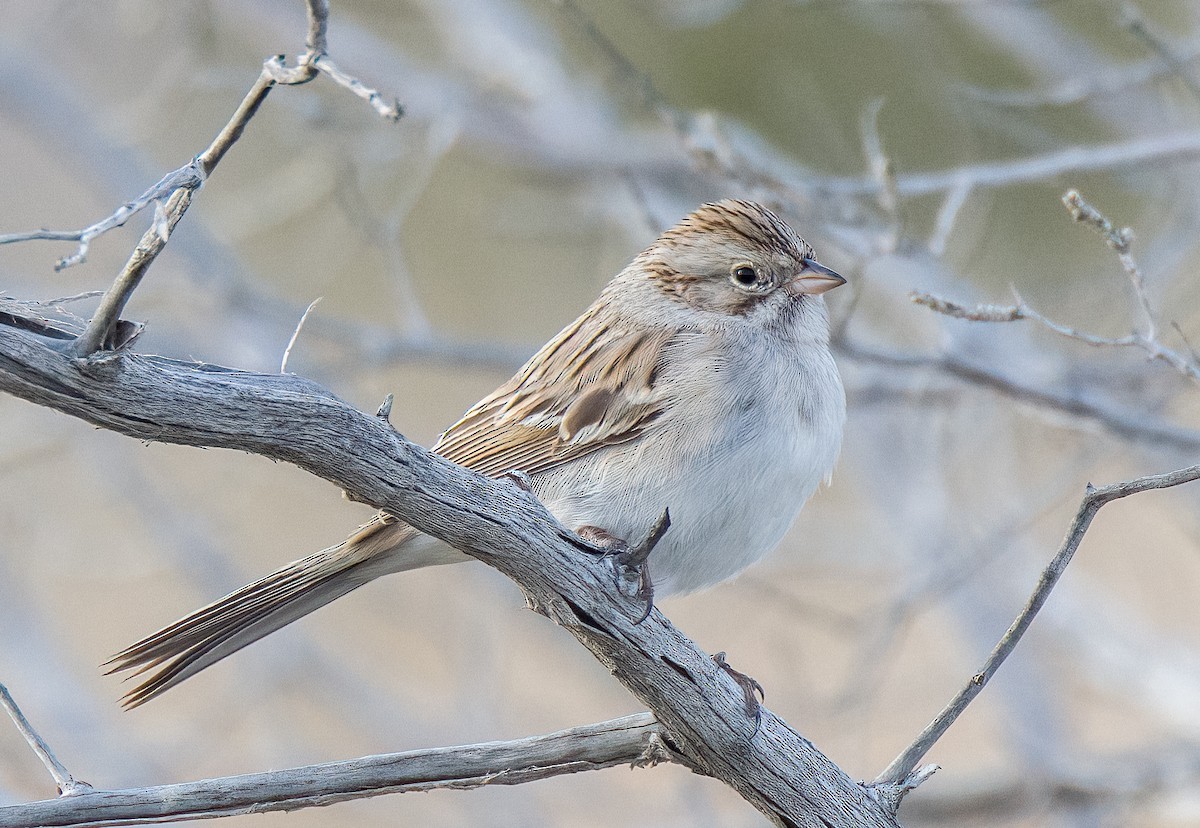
{"points": [[752, 691], [631, 557]]}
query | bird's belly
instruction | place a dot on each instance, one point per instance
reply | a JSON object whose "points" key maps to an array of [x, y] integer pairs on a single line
{"points": [[731, 496]]}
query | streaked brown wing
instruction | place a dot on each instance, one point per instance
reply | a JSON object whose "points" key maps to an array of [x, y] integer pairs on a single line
{"points": [[589, 387]]}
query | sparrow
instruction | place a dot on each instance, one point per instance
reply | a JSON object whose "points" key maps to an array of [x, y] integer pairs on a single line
{"points": [[699, 381]]}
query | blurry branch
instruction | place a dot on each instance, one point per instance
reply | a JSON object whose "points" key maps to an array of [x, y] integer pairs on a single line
{"points": [[1120, 241], [1128, 424], [387, 109], [1080, 787], [1139, 152], [633, 740], [698, 134], [177, 187], [1136, 23], [947, 215], [884, 172], [384, 229], [902, 766], [67, 785], [288, 418], [1096, 81]]}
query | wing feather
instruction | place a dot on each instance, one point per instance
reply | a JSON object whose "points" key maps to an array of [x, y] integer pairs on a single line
{"points": [[589, 387]]}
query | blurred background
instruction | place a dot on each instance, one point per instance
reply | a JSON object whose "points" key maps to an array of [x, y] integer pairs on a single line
{"points": [[543, 145]]}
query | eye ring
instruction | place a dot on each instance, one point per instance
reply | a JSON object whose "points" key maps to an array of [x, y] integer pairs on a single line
{"points": [[744, 275]]}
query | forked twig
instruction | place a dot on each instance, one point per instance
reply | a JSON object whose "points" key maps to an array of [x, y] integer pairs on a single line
{"points": [[190, 176], [903, 766], [172, 194], [1120, 240]]}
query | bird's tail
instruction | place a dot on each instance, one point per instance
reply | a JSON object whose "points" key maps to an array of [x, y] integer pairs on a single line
{"points": [[206, 636]]}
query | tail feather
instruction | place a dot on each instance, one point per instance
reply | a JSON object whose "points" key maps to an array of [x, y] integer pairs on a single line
{"points": [[184, 648], [205, 637]]}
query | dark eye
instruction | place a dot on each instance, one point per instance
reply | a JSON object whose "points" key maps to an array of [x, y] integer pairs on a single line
{"points": [[745, 275]]}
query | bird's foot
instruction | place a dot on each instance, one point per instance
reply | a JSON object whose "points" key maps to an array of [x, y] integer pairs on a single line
{"points": [[752, 691], [519, 479], [631, 558]]}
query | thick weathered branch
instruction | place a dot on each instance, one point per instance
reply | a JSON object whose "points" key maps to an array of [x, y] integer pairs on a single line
{"points": [[631, 740], [291, 419]]}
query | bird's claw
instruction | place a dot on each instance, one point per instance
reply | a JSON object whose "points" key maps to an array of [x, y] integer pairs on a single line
{"points": [[752, 691], [631, 558], [519, 479]]}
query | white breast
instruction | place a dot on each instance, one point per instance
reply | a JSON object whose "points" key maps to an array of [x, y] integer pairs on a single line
{"points": [[752, 432]]}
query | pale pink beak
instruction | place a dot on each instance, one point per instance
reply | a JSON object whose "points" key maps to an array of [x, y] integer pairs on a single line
{"points": [[815, 278]]}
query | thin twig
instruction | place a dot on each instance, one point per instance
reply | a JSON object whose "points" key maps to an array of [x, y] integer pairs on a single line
{"points": [[75, 297], [1119, 240], [190, 176], [977, 313], [316, 59], [68, 785], [100, 331], [1096, 341], [392, 110], [1012, 313], [904, 764], [287, 352]]}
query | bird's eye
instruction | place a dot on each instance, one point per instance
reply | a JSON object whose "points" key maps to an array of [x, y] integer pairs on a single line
{"points": [[745, 275]]}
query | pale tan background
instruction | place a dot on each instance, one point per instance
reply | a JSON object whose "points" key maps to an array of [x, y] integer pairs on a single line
{"points": [[528, 170]]}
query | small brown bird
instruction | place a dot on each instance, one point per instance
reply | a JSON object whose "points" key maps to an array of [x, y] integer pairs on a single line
{"points": [[700, 381]]}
